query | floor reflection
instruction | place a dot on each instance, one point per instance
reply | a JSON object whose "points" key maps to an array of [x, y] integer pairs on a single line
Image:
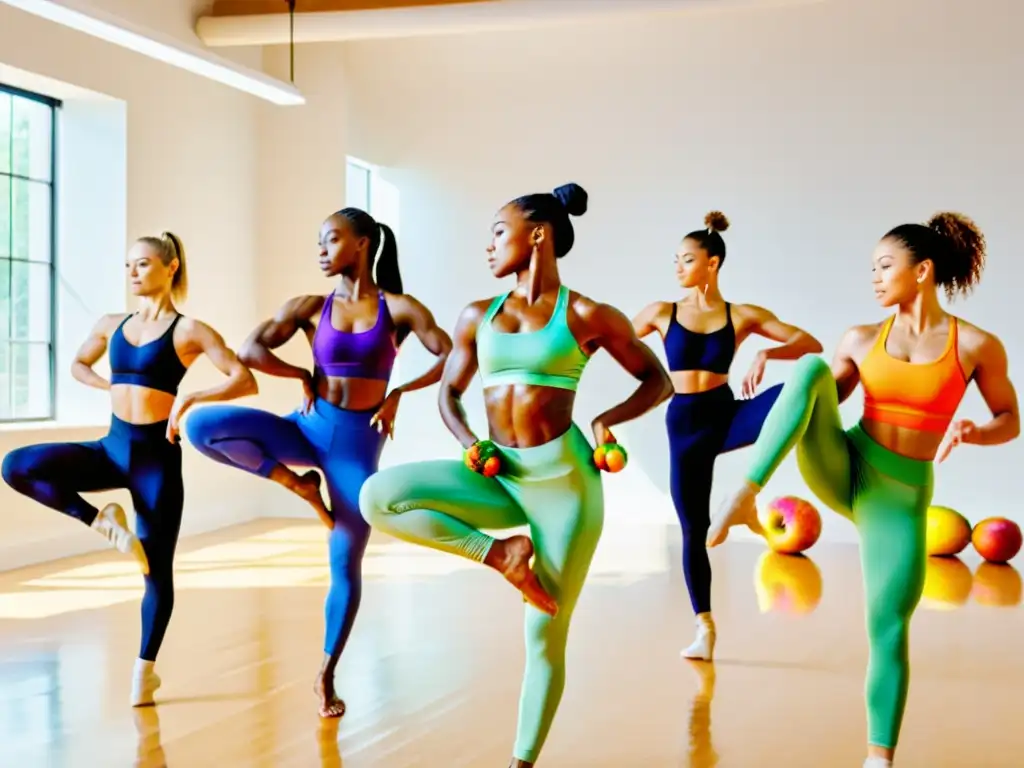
{"points": [[947, 584], [700, 750], [789, 584], [997, 585]]}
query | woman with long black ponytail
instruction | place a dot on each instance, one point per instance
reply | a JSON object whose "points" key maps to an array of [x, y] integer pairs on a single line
{"points": [[346, 411]]}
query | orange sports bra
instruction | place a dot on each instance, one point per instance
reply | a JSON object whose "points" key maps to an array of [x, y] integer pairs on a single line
{"points": [[922, 396]]}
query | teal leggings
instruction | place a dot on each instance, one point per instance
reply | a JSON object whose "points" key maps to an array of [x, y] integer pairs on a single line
{"points": [[885, 495], [553, 488]]}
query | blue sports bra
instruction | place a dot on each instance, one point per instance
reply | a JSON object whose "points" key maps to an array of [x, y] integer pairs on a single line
{"points": [[155, 365], [687, 350], [549, 357]]}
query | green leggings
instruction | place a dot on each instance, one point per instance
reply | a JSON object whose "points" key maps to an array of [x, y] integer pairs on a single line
{"points": [[885, 495], [554, 488]]}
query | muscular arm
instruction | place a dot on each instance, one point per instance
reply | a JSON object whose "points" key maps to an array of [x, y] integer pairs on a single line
{"points": [[419, 320], [614, 332], [256, 351], [240, 381], [91, 351], [646, 322], [844, 366], [794, 342], [459, 370], [992, 377]]}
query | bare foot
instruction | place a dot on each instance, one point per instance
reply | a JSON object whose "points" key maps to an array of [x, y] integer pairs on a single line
{"points": [[511, 558], [330, 704], [738, 509], [306, 487]]}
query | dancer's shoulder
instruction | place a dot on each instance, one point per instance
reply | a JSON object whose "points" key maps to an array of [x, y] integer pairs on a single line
{"points": [[858, 338]]}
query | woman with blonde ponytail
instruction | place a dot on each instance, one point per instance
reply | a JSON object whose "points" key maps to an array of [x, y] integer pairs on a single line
{"points": [[149, 351], [701, 333]]}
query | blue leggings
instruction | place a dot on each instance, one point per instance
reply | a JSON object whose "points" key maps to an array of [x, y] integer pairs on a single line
{"points": [[136, 457], [701, 427], [341, 444]]}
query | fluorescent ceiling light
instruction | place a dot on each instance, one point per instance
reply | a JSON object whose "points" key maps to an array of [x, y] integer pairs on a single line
{"points": [[194, 59]]}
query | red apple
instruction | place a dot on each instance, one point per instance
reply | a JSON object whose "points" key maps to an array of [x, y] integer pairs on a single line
{"points": [[791, 524], [997, 539]]}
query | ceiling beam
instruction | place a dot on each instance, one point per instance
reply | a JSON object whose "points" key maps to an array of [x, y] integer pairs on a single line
{"points": [[267, 7], [433, 18]]}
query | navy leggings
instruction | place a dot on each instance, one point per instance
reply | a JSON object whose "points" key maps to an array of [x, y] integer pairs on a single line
{"points": [[136, 457], [341, 444], [701, 427]]}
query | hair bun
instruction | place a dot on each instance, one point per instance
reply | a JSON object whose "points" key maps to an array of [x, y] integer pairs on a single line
{"points": [[716, 221], [573, 197]]}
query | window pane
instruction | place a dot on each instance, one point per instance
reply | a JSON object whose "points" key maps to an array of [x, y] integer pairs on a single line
{"points": [[30, 220], [30, 302], [5, 132], [32, 136], [5, 217], [5, 380], [30, 381], [5, 300], [357, 186]]}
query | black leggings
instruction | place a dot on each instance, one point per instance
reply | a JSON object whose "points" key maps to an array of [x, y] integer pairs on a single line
{"points": [[137, 457], [701, 427]]}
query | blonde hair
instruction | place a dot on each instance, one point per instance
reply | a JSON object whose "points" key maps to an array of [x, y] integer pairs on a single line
{"points": [[168, 247]]}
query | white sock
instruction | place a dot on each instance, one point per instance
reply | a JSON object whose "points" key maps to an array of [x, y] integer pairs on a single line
{"points": [[703, 646], [877, 762], [144, 683]]}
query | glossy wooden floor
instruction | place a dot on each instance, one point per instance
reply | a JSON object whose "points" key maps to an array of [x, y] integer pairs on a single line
{"points": [[432, 671]]}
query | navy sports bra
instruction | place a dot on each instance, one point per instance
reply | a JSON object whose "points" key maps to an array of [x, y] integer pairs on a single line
{"points": [[688, 350], [155, 365]]}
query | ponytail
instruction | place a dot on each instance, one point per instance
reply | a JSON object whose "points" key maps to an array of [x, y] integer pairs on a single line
{"points": [[179, 283], [386, 271]]}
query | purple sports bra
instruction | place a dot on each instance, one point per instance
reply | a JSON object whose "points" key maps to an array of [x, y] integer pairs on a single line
{"points": [[366, 354]]}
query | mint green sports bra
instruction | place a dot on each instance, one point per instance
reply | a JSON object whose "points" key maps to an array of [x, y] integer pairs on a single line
{"points": [[549, 357]]}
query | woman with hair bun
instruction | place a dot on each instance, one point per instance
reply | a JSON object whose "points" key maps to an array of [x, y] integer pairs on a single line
{"points": [[701, 333], [914, 367], [149, 351], [530, 346]]}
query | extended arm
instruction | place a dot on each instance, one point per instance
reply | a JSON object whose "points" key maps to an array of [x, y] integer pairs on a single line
{"points": [[269, 335], [419, 320], [459, 370], [615, 333], [992, 377], [844, 367], [794, 342], [90, 352], [646, 322]]}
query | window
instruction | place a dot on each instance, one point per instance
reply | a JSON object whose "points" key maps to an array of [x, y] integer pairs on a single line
{"points": [[27, 306], [358, 184]]}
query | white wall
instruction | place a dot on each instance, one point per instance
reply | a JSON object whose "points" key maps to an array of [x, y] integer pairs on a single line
{"points": [[190, 165], [814, 128]]}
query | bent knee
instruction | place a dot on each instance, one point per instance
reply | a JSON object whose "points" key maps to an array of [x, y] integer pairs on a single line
{"points": [[16, 466], [811, 367], [374, 498]]}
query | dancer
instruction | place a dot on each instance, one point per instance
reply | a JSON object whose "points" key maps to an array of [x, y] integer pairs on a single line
{"points": [[149, 352], [701, 334], [340, 428], [531, 346], [914, 367]]}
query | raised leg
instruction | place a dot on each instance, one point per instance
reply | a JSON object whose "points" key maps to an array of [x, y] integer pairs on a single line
{"points": [[260, 443], [56, 475], [805, 417], [443, 505]]}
